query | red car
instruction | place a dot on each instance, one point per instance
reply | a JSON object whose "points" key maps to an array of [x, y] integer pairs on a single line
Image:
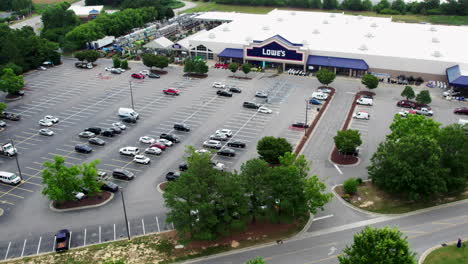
{"points": [[171, 91], [461, 111], [158, 145], [411, 104], [138, 76]]}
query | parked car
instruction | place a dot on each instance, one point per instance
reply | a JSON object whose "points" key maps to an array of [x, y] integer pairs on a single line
{"points": [[171, 91], [181, 127], [166, 142], [129, 151], [365, 101], [81, 148], [158, 145], [119, 125], [361, 115], [95, 130], [138, 76], [411, 104], [236, 144], [115, 130], [2, 123], [172, 176], [141, 159], [145, 72], [153, 151], [219, 137], [319, 96], [96, 141], [170, 137], [62, 240], [405, 113], [129, 119], [18, 93], [261, 94], [235, 89], [424, 111], [147, 140], [46, 123], [123, 174], [314, 102], [51, 118], [227, 152], [215, 144], [86, 134], [46, 132], [216, 165], [300, 125], [116, 71], [461, 111], [225, 131], [107, 133], [109, 186], [10, 116], [264, 110], [202, 151], [219, 85], [154, 76], [224, 93], [251, 105], [324, 90]]}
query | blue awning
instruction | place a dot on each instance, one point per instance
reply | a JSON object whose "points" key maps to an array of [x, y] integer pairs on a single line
{"points": [[232, 53], [337, 62], [455, 78]]}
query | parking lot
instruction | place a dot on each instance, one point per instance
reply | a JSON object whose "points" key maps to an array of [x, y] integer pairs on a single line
{"points": [[85, 98]]}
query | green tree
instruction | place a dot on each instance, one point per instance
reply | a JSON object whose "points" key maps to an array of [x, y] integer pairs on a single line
{"points": [[317, 4], [3, 107], [80, 55], [271, 148], [413, 124], [347, 141], [408, 92], [383, 4], [410, 165], [150, 60], [325, 76], [350, 186], [370, 81], [9, 82], [371, 245], [399, 5], [424, 97], [315, 194], [91, 55], [246, 68], [161, 62], [367, 5], [89, 179], [18, 5], [189, 66], [124, 64], [256, 260], [165, 246], [59, 180], [233, 67], [116, 61], [330, 4], [200, 67], [16, 69]]}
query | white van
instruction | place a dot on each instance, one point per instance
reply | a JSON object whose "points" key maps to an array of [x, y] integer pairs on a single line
{"points": [[127, 112], [319, 96], [364, 101], [9, 178]]}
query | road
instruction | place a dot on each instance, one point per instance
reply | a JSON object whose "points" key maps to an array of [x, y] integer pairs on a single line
{"points": [[188, 5]]}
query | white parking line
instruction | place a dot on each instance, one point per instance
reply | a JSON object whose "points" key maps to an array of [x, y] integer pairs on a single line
{"points": [[69, 241], [157, 223], [39, 245], [8, 249], [114, 233], [322, 217], [53, 245], [99, 234], [143, 226], [128, 224], [24, 246], [84, 239], [337, 168]]}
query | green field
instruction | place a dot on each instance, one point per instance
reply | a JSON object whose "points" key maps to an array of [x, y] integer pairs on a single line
{"points": [[448, 255], [448, 20]]}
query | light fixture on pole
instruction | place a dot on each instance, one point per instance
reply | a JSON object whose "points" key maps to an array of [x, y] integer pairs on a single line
{"points": [[131, 95], [306, 108]]}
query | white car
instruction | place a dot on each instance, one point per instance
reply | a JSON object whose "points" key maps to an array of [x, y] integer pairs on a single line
{"points": [[141, 159], [324, 90], [119, 125], [212, 144], [41, 68], [129, 151], [219, 137], [361, 115], [46, 123], [218, 165], [145, 72], [147, 140], [46, 132], [79, 195], [225, 131], [405, 113], [153, 151], [51, 118], [261, 94], [219, 85], [264, 110], [201, 151], [2, 123], [108, 68], [319, 96], [165, 142]]}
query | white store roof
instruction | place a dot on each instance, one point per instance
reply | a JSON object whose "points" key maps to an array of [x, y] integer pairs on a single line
{"points": [[85, 10], [336, 32], [159, 43], [185, 42]]}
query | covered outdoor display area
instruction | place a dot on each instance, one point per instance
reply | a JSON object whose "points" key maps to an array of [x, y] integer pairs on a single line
{"points": [[340, 66]]}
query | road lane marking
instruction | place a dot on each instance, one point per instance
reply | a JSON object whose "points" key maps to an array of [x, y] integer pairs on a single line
{"points": [[128, 225], [338, 169], [8, 193], [39, 245], [322, 217], [19, 188], [300, 250], [8, 249], [84, 239], [99, 234], [114, 233], [443, 223], [320, 260]]}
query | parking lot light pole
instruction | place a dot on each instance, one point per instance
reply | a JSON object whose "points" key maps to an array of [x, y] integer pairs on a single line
{"points": [[125, 213], [17, 162], [306, 108], [131, 95]]}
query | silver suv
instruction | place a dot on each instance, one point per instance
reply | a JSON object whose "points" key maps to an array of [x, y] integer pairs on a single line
{"points": [[212, 144]]}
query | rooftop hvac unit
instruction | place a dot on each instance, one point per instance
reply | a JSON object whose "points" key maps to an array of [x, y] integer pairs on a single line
{"points": [[433, 29], [293, 13], [363, 47], [211, 35], [325, 21], [332, 15], [435, 40], [316, 31], [437, 54], [226, 29], [279, 19], [359, 17], [266, 28], [374, 25]]}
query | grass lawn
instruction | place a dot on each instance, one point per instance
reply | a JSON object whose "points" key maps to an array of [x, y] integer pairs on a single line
{"points": [[41, 5], [448, 255], [449, 20], [371, 199], [176, 4]]}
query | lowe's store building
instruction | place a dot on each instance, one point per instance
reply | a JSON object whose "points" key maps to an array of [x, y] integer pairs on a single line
{"points": [[348, 45]]}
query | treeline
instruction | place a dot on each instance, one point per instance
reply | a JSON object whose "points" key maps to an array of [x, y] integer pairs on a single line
{"points": [[23, 50], [123, 4], [15, 5], [428, 7]]}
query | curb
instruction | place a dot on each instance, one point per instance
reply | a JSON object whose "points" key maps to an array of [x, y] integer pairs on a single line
{"points": [[343, 165], [354, 207], [51, 207], [429, 250], [306, 226], [158, 188]]}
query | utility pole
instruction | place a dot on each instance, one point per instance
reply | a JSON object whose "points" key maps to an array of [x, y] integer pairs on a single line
{"points": [[131, 95], [306, 108], [125, 213], [17, 162]]}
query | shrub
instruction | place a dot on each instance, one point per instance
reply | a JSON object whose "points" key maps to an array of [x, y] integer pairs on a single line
{"points": [[359, 180], [350, 186], [346, 197], [389, 11], [124, 64]]}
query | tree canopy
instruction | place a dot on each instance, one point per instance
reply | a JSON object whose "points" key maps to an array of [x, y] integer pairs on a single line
{"points": [[408, 92], [195, 65], [233, 67], [347, 141], [271, 148], [58, 20], [60, 181], [246, 67], [371, 245], [10, 82], [3, 107], [424, 97], [370, 81], [325, 76]]}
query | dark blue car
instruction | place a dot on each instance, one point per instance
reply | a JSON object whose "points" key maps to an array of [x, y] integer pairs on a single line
{"points": [[315, 102]]}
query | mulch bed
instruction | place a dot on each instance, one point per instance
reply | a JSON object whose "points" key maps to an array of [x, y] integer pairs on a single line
{"points": [[88, 200], [160, 72], [162, 186], [337, 158], [240, 77], [196, 75], [12, 97]]}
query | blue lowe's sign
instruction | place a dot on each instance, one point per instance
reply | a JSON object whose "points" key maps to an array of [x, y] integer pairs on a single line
{"points": [[274, 50]]}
